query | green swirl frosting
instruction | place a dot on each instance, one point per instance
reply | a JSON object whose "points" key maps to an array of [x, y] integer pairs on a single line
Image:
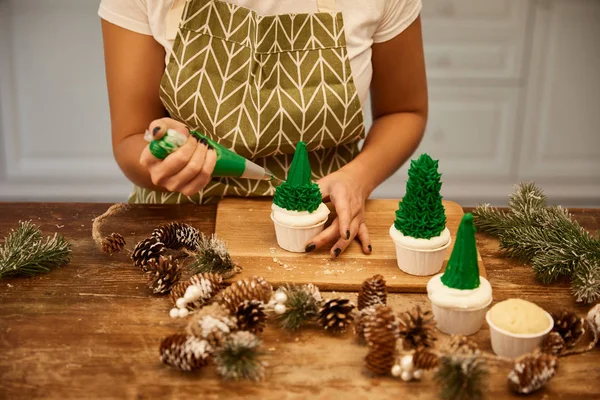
{"points": [[421, 213], [299, 193]]}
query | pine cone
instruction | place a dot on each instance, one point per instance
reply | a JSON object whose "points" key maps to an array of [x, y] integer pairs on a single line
{"points": [[569, 326], [531, 372], [184, 352], [250, 316], [380, 359], [381, 328], [256, 288], [163, 274], [593, 320], [113, 243], [146, 250], [335, 315], [210, 285], [417, 328], [363, 316], [553, 344], [214, 330], [423, 359], [176, 235], [462, 345], [372, 292]]}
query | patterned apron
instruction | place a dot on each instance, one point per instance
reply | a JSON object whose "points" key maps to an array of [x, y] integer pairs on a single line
{"points": [[259, 85]]}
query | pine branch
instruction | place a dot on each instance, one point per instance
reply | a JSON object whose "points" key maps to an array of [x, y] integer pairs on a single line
{"points": [[301, 306], [462, 377], [26, 253], [586, 281], [212, 256]]}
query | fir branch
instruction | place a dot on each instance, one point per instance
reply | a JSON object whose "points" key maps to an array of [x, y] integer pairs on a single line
{"points": [[26, 253], [462, 377], [586, 281], [239, 358], [301, 306], [212, 256]]}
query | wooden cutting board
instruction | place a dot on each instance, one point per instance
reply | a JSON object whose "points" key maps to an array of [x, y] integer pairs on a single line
{"points": [[247, 227]]}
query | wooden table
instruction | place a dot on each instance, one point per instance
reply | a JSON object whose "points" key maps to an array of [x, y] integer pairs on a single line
{"points": [[91, 329]]}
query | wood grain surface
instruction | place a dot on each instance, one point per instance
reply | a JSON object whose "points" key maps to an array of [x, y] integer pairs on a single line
{"points": [[91, 329], [247, 226]]}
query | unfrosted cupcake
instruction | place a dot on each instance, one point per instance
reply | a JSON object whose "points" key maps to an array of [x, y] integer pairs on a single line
{"points": [[298, 211], [517, 327], [419, 231], [459, 297]]}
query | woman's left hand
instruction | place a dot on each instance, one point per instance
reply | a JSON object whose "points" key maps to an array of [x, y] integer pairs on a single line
{"points": [[348, 193]]}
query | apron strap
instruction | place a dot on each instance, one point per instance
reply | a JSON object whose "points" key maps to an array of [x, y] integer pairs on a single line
{"points": [[174, 18], [326, 6]]}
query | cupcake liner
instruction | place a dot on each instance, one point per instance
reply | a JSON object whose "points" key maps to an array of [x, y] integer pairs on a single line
{"points": [[454, 321], [421, 262], [513, 345], [295, 238]]}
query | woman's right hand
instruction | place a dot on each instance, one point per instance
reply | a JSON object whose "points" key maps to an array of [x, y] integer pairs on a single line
{"points": [[188, 169]]}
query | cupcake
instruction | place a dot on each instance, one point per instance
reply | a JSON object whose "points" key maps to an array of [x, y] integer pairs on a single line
{"points": [[459, 297], [419, 231], [517, 327], [298, 211]]}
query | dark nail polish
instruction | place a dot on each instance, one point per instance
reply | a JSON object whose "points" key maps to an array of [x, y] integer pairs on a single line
{"points": [[155, 130], [310, 247], [204, 141], [210, 147], [370, 248], [337, 251], [347, 235], [196, 137]]}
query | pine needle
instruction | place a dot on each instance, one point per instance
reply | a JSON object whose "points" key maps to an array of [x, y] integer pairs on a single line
{"points": [[462, 377], [301, 307], [26, 253], [212, 256], [239, 358]]}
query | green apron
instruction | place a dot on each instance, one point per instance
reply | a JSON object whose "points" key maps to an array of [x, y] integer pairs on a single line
{"points": [[259, 85]]}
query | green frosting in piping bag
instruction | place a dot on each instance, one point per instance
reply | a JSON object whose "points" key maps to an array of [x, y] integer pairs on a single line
{"points": [[462, 270], [298, 192], [421, 213]]}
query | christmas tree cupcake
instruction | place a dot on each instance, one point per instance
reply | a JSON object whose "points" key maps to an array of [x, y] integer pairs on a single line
{"points": [[459, 297], [298, 211], [420, 232]]}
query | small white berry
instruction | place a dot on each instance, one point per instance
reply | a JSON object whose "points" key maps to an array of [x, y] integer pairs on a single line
{"points": [[279, 309], [183, 312], [181, 302], [192, 293], [280, 297], [406, 376], [174, 313], [418, 374], [407, 363], [396, 370]]}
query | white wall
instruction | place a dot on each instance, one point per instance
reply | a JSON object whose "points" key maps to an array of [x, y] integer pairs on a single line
{"points": [[514, 95]]}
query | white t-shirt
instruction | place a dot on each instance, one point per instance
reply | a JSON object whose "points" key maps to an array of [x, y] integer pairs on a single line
{"points": [[365, 21]]}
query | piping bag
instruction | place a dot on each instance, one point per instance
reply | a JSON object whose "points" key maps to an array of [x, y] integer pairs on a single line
{"points": [[229, 164]]}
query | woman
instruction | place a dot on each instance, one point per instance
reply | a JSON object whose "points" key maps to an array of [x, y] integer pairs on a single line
{"points": [[259, 76]]}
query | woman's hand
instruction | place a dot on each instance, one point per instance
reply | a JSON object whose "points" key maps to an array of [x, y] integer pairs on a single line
{"points": [[188, 169], [348, 193]]}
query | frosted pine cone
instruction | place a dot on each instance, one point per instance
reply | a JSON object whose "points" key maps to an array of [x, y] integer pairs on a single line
{"points": [[167, 234], [214, 330], [363, 317], [335, 315], [372, 292], [425, 360], [381, 328], [256, 288], [113, 243], [569, 326], [146, 250], [209, 285], [593, 319], [531, 372], [380, 359], [250, 316], [417, 328], [553, 344], [183, 352], [163, 274]]}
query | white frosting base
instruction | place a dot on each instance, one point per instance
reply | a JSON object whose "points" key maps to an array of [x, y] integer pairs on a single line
{"points": [[419, 243], [300, 218], [469, 299]]}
